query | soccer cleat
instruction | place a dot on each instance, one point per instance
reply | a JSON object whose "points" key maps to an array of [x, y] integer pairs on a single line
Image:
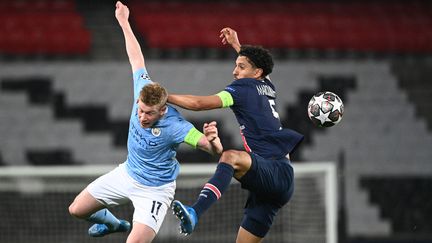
{"points": [[99, 230], [186, 215]]}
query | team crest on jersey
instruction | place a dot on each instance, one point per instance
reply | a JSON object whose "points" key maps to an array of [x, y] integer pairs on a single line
{"points": [[145, 76], [156, 132]]}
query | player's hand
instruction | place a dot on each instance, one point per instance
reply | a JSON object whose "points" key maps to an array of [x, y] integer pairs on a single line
{"points": [[210, 131], [229, 36], [121, 13]]}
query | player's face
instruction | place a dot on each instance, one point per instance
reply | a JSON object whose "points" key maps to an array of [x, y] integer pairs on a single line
{"points": [[148, 115], [244, 69]]}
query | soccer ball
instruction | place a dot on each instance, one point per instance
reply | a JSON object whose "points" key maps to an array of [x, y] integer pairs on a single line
{"points": [[325, 109]]}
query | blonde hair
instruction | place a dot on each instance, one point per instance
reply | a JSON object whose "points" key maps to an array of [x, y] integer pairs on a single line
{"points": [[153, 94]]}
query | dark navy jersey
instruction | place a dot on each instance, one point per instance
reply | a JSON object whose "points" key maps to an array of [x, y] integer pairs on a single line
{"points": [[254, 105]]}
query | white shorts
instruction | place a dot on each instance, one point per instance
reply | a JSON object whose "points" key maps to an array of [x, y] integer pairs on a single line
{"points": [[150, 203]]}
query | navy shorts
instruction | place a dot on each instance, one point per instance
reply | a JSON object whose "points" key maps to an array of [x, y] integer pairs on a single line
{"points": [[270, 184]]}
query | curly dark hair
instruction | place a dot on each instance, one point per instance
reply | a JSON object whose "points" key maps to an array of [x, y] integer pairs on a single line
{"points": [[153, 94], [259, 57]]}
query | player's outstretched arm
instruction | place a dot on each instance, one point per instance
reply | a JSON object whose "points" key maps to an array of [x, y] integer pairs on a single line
{"points": [[196, 103], [229, 36], [133, 48], [210, 142]]}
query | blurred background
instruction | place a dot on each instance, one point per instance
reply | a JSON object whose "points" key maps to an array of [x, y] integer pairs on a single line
{"points": [[66, 91]]}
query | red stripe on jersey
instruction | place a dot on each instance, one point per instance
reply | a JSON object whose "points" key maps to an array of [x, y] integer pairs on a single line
{"points": [[214, 189], [245, 145]]}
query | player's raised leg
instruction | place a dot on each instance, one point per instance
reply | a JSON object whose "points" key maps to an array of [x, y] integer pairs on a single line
{"points": [[232, 163], [85, 206], [211, 192]]}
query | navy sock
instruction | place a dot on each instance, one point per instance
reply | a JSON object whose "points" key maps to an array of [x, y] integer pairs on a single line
{"points": [[104, 216], [214, 188]]}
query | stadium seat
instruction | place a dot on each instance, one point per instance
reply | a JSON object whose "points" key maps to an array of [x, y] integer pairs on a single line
{"points": [[43, 28], [365, 27]]}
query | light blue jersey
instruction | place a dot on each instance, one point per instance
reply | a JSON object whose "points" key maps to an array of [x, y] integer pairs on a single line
{"points": [[151, 151]]}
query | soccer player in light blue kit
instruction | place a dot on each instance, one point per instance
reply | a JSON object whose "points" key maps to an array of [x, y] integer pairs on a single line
{"points": [[147, 178]]}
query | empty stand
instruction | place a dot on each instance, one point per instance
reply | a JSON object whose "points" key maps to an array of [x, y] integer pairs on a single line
{"points": [[404, 203], [46, 134], [383, 27], [414, 77], [42, 28], [51, 157], [81, 28], [93, 117], [31, 134], [107, 41], [37, 6]]}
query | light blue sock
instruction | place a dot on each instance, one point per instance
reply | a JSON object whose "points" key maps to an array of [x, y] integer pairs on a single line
{"points": [[104, 216]]}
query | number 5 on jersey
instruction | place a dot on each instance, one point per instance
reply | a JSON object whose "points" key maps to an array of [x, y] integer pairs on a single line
{"points": [[272, 106]]}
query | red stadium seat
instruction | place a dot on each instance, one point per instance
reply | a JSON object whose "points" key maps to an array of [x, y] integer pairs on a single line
{"points": [[42, 27], [358, 26]]}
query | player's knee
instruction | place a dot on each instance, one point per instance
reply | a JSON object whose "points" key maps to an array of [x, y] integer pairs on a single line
{"points": [[230, 157], [239, 160], [74, 211]]}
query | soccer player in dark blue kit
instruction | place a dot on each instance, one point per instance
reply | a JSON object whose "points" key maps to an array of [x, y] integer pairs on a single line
{"points": [[264, 169]]}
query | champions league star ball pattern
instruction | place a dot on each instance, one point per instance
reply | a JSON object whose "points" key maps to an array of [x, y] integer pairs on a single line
{"points": [[325, 109]]}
